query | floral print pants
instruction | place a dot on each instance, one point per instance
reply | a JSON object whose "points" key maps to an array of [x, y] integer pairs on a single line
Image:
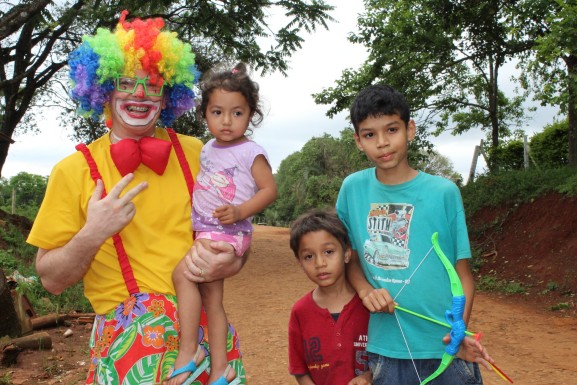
{"points": [[137, 343]]}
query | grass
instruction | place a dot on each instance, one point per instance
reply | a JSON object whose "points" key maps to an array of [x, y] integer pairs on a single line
{"points": [[517, 187], [492, 283], [19, 256], [560, 306], [6, 379]]}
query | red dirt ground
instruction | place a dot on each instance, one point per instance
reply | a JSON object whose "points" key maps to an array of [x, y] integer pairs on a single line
{"points": [[533, 244]]}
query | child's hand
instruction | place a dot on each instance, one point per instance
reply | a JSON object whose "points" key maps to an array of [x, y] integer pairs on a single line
{"points": [[364, 379], [227, 214], [472, 350], [378, 300]]}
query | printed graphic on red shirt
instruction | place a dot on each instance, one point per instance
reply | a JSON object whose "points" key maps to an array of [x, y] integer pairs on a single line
{"points": [[316, 361], [388, 227]]}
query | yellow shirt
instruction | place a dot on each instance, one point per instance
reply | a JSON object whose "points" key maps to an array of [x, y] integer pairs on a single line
{"points": [[157, 238]]}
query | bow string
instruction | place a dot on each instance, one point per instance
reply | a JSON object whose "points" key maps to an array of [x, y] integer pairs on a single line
{"points": [[454, 316]]}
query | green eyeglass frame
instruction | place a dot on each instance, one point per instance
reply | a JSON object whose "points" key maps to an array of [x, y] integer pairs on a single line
{"points": [[128, 85]]}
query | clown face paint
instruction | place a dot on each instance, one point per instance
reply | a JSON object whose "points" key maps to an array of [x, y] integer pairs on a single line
{"points": [[134, 117], [137, 113]]}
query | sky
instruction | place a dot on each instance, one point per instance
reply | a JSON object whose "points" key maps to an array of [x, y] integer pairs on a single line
{"points": [[291, 116]]}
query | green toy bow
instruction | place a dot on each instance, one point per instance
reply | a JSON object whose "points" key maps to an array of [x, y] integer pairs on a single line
{"points": [[454, 316]]}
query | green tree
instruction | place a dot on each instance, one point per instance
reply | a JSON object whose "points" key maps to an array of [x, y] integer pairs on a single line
{"points": [[550, 148], [312, 177], [37, 35], [445, 56], [509, 156], [552, 71], [437, 164], [29, 188]]}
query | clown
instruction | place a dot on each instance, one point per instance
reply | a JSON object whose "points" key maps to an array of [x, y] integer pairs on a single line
{"points": [[116, 214]]}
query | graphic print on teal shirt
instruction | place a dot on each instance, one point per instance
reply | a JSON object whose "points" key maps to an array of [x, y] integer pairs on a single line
{"points": [[388, 228]]}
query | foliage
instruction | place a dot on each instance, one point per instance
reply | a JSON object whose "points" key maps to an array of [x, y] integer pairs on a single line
{"points": [[37, 37], [6, 378], [312, 177], [517, 187], [445, 56], [550, 148], [561, 306], [547, 149], [569, 185], [70, 300], [509, 156], [437, 164], [550, 71], [19, 256], [28, 190]]}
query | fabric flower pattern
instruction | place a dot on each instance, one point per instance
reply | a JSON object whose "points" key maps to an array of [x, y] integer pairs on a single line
{"points": [[172, 343], [130, 308], [156, 308], [153, 335]]}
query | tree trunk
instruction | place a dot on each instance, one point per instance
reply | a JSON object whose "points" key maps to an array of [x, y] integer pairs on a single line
{"points": [[36, 341], [49, 321], [9, 322], [571, 63], [4, 145]]}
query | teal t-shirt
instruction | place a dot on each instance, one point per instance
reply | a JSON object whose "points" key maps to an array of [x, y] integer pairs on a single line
{"points": [[390, 227]]}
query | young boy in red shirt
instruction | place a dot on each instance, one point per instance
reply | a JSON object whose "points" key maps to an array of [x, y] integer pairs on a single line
{"points": [[328, 326]]}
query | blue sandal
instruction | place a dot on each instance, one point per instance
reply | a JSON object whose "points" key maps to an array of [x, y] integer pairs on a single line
{"points": [[194, 370], [222, 379]]}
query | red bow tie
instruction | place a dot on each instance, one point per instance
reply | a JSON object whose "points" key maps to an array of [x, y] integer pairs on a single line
{"points": [[127, 154]]}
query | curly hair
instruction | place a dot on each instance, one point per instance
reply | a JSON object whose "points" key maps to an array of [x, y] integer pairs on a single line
{"points": [[134, 45]]}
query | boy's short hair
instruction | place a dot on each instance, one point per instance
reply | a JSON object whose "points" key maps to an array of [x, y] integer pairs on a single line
{"points": [[317, 220], [377, 100]]}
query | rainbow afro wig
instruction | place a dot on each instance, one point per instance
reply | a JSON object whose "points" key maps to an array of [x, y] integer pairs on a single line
{"points": [[134, 45]]}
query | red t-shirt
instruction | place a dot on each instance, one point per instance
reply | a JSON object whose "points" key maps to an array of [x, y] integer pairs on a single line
{"points": [[331, 352]]}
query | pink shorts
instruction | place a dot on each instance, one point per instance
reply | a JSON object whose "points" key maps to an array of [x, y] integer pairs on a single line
{"points": [[241, 243]]}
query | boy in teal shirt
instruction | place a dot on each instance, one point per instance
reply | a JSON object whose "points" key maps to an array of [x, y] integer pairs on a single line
{"points": [[391, 212]]}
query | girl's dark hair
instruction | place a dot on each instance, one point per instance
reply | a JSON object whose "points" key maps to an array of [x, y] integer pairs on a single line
{"points": [[317, 220], [235, 80], [377, 100]]}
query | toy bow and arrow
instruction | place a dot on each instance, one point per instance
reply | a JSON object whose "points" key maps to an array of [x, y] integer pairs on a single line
{"points": [[454, 316]]}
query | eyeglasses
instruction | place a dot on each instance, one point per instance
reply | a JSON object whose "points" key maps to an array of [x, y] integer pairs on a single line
{"points": [[125, 84]]}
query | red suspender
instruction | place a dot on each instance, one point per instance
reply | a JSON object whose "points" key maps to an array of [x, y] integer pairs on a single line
{"points": [[183, 164], [127, 272], [182, 160]]}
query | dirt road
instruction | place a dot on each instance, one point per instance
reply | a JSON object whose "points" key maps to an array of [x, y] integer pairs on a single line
{"points": [[533, 346]]}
